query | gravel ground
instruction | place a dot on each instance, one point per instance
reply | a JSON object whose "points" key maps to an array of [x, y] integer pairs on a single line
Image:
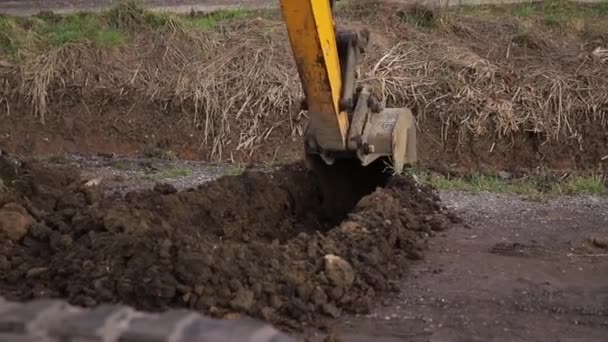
{"points": [[122, 175], [519, 270]]}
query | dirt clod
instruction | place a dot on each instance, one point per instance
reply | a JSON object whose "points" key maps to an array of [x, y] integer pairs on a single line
{"points": [[14, 221], [338, 271], [259, 243], [601, 242], [243, 300]]}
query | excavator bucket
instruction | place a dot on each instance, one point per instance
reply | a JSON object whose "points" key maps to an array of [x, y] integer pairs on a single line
{"points": [[386, 143], [351, 142]]}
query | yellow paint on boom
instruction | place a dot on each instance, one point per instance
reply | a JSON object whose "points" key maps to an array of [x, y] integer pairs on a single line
{"points": [[313, 40]]}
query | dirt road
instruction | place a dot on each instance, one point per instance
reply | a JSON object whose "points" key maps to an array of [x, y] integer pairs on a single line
{"points": [[523, 271], [29, 7]]}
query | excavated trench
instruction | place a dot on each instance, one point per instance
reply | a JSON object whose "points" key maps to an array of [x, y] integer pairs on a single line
{"points": [[264, 244]]}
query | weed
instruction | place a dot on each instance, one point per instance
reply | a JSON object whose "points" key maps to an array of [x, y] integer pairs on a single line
{"points": [[419, 16], [169, 174], [552, 19], [152, 151], [524, 11], [120, 165], [82, 27], [483, 183], [552, 13], [234, 170], [530, 186], [590, 185], [211, 20], [12, 36]]}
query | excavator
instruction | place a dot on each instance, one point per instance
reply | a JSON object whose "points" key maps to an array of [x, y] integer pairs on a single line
{"points": [[351, 141]]}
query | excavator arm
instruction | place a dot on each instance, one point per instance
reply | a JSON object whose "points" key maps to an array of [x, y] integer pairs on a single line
{"points": [[312, 35], [345, 121]]}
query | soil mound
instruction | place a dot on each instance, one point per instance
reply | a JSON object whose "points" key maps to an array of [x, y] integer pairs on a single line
{"points": [[257, 244]]}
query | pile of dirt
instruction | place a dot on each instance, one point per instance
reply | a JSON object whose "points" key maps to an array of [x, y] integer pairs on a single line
{"points": [[488, 94], [259, 244]]}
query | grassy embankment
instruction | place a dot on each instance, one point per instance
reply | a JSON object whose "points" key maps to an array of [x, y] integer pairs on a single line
{"points": [[102, 30], [115, 29]]}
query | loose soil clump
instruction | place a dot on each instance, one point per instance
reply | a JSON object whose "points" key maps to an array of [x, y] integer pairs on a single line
{"points": [[258, 244]]}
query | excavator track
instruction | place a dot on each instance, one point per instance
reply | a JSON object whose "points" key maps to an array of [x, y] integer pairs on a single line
{"points": [[51, 320]]}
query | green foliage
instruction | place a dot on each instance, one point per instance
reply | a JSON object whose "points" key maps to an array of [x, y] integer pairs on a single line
{"points": [[211, 20], [524, 11], [107, 29], [590, 185], [553, 13], [9, 36], [80, 28], [171, 173], [529, 186]]}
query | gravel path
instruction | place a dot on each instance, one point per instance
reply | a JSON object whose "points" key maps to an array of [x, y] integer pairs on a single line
{"points": [[520, 271]]}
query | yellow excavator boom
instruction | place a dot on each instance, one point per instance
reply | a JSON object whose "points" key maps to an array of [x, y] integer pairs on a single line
{"points": [[346, 122], [311, 31]]}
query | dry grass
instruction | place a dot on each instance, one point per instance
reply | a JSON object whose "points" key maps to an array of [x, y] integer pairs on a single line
{"points": [[238, 82]]}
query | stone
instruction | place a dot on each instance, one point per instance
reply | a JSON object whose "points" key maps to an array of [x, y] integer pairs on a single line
{"points": [[601, 242], [338, 271], [15, 221], [243, 300]]}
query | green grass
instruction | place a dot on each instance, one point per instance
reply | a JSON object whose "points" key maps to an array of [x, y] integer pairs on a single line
{"points": [[531, 186], [43, 31], [172, 173], [102, 30], [121, 165], [10, 41], [212, 20], [553, 13], [234, 169], [590, 185], [81, 28], [524, 11]]}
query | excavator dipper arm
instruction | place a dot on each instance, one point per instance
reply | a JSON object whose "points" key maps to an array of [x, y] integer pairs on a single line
{"points": [[346, 122], [312, 35]]}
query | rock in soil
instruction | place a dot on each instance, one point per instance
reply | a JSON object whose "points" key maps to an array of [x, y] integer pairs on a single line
{"points": [[14, 221], [338, 271], [601, 242], [256, 244]]}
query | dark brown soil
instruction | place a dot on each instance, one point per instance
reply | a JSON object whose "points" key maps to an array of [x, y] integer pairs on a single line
{"points": [[257, 244], [136, 130]]}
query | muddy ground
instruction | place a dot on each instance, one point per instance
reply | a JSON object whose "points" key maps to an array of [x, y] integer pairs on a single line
{"points": [[260, 243], [513, 270], [240, 240]]}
